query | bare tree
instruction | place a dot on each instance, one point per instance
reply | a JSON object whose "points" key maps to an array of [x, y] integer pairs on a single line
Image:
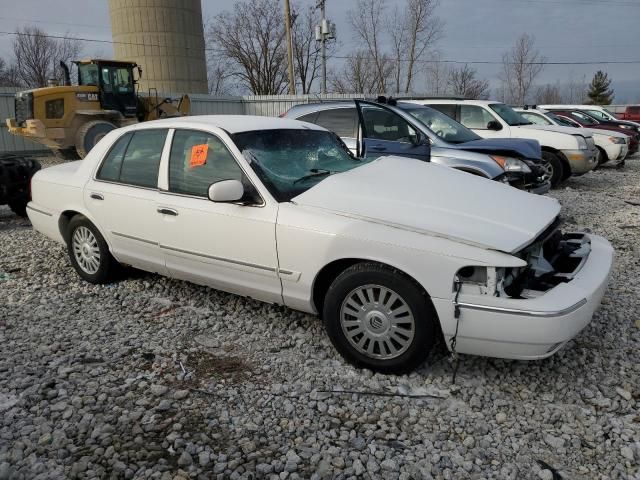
{"points": [[306, 50], [367, 21], [218, 76], [575, 90], [37, 56], [424, 29], [462, 81], [399, 40], [520, 67], [437, 74], [8, 75], [548, 94], [358, 75], [251, 39]]}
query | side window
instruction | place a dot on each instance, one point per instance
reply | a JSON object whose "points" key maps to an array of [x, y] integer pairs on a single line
{"points": [[110, 168], [197, 160], [535, 118], [447, 108], [382, 124], [54, 108], [142, 158], [342, 121], [473, 116]]}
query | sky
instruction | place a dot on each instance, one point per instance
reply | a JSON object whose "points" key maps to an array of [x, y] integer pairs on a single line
{"points": [[474, 30]]}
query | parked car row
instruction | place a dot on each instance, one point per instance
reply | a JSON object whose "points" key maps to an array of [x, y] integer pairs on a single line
{"points": [[613, 146], [393, 251]]}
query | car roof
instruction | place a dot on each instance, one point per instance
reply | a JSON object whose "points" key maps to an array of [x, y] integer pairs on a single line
{"points": [[230, 123]]}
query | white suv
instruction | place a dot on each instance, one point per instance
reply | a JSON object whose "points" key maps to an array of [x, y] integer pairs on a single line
{"points": [[567, 154]]}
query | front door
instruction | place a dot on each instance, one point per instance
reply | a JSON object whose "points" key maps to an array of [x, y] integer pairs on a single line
{"points": [[384, 132], [123, 197], [228, 246]]}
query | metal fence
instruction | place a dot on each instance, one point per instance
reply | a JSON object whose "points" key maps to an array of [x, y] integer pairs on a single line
{"points": [[8, 142], [268, 105]]}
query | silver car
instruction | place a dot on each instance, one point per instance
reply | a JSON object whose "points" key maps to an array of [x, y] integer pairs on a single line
{"points": [[390, 130]]}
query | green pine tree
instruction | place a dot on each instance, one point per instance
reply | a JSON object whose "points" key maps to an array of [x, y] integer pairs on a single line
{"points": [[599, 92]]}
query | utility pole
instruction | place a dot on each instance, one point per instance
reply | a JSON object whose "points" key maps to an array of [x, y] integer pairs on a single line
{"points": [[287, 23], [325, 31]]}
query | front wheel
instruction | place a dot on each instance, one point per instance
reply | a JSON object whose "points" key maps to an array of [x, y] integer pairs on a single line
{"points": [[378, 318], [554, 168], [89, 252]]}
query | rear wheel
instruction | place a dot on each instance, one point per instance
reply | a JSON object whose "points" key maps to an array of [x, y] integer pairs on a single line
{"points": [[89, 253], [91, 133], [378, 318], [554, 168]]}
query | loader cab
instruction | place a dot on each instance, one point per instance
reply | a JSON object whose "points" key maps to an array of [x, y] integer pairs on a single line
{"points": [[115, 82]]}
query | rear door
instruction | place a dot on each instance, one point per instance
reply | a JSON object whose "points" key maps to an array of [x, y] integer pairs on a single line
{"points": [[384, 132]]}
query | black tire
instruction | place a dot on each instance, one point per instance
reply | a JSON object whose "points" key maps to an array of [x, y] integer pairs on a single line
{"points": [[91, 133], [66, 153], [425, 319], [107, 265], [602, 156], [19, 207], [556, 168]]}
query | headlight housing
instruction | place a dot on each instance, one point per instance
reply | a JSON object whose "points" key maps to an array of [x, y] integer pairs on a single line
{"points": [[510, 164], [617, 140], [582, 142]]}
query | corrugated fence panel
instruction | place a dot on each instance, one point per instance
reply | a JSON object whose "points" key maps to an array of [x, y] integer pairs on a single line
{"points": [[8, 142]]}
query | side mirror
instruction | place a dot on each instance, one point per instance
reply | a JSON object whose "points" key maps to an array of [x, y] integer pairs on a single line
{"points": [[494, 125], [226, 191]]}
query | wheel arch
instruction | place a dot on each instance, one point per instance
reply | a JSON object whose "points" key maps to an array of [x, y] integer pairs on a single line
{"points": [[566, 166], [327, 274]]}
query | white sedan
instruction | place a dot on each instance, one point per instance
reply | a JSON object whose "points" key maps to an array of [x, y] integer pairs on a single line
{"points": [[394, 253]]}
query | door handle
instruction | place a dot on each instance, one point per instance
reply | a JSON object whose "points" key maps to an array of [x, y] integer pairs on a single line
{"points": [[167, 211], [97, 196], [377, 148]]}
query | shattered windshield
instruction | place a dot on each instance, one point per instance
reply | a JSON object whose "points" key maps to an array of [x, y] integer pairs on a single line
{"points": [[290, 162], [442, 125]]}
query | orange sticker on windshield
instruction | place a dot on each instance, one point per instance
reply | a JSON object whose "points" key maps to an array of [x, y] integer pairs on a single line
{"points": [[198, 155]]}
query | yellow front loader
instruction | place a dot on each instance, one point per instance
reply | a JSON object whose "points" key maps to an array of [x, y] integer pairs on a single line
{"points": [[71, 119]]}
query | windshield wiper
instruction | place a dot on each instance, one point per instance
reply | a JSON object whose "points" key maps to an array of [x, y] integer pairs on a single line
{"points": [[315, 172]]}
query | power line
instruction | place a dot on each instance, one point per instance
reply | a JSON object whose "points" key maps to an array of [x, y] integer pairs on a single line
{"points": [[343, 57]]}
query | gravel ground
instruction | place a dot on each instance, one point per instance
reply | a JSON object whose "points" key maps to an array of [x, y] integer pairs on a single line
{"points": [[155, 378]]}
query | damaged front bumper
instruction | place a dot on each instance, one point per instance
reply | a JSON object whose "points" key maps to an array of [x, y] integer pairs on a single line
{"points": [[536, 322]]}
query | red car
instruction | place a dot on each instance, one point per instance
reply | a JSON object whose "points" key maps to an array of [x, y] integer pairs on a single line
{"points": [[587, 121]]}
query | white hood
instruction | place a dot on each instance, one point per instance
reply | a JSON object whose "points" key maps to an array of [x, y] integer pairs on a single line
{"points": [[435, 200], [556, 128]]}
